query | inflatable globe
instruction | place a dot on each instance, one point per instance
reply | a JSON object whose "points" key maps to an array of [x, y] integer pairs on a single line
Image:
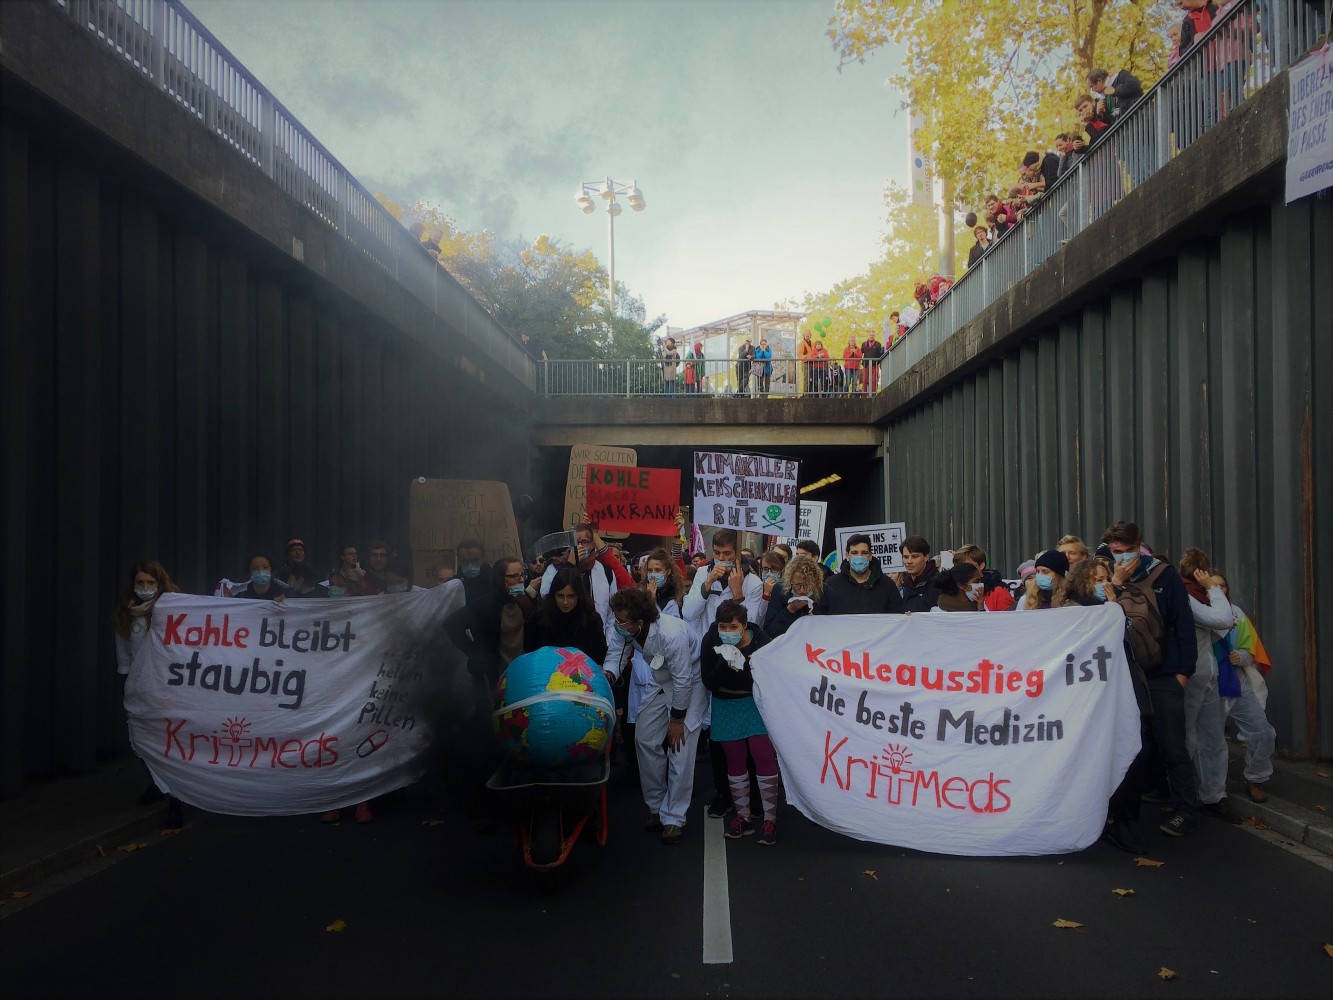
{"points": [[555, 707]]}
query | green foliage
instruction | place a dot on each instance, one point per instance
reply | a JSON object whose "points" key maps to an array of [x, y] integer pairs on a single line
{"points": [[995, 78], [550, 292]]}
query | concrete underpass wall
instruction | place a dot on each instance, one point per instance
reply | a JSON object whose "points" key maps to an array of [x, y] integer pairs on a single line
{"points": [[176, 389], [1192, 397]]}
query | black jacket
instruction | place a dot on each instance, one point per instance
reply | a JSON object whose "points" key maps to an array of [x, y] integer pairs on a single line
{"points": [[922, 595], [777, 619], [877, 596], [568, 631], [481, 618], [717, 676]]}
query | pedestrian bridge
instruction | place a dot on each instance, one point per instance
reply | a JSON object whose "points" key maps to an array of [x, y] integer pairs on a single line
{"points": [[225, 340]]}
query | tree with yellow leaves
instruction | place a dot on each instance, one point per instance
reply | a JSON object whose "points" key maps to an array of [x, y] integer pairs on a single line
{"points": [[995, 78]]}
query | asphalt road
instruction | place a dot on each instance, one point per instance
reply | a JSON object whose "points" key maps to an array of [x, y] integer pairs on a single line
{"points": [[240, 908]]}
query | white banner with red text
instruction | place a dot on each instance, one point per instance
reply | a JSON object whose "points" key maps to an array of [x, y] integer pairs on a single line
{"points": [[258, 708], [971, 734]]}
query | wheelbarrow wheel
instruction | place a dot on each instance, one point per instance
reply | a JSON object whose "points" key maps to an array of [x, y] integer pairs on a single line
{"points": [[546, 833]]}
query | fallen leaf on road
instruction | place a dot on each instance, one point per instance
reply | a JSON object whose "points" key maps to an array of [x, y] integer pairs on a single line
{"points": [[1062, 922], [19, 894], [1148, 863], [336, 926], [1321, 809], [170, 831], [870, 873], [1123, 892], [1165, 973], [1256, 822], [101, 851], [1322, 774], [432, 822], [1328, 950], [131, 848]]}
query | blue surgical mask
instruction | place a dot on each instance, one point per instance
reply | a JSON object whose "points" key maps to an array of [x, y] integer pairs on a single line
{"points": [[625, 632], [469, 570], [1044, 582], [657, 578], [516, 589], [260, 578], [1124, 558], [770, 576], [1099, 591], [859, 564], [724, 563], [337, 592], [731, 638]]}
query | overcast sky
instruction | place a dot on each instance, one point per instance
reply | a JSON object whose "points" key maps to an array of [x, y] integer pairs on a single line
{"points": [[762, 166]]}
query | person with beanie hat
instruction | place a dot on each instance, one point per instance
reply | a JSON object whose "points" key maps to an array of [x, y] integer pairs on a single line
{"points": [[1046, 587]]}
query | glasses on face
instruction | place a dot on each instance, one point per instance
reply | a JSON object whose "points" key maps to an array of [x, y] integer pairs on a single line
{"points": [[513, 576]]}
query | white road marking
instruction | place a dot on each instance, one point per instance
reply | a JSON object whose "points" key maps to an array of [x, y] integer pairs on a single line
{"points": [[717, 896]]}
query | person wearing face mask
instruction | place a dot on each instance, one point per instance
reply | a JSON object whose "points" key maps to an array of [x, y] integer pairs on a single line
{"points": [[468, 562], [800, 593], [131, 623], [1089, 585], [961, 588], [603, 573], [997, 594], [345, 579], [1047, 587], [262, 586], [860, 586], [666, 736], [771, 565], [490, 629], [723, 578], [737, 726], [1162, 643]]}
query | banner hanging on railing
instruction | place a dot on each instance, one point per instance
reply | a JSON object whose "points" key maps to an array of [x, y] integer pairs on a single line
{"points": [[956, 734], [1310, 126], [746, 492], [633, 499], [257, 708]]}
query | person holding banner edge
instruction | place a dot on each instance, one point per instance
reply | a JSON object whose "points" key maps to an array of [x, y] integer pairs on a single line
{"points": [[1161, 630], [132, 621]]}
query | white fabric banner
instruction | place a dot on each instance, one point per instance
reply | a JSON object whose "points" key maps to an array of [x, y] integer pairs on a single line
{"points": [[972, 734], [1310, 126], [258, 708]]}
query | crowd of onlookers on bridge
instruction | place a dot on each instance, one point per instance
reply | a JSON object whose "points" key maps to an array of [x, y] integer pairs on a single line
{"points": [[675, 625]]}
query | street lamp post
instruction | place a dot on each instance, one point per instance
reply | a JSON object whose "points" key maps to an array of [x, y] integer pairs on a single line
{"points": [[608, 190]]}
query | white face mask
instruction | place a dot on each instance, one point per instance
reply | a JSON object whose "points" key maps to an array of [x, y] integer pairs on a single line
{"points": [[974, 590], [145, 593]]}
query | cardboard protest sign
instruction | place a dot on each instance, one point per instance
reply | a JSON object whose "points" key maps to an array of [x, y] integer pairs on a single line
{"points": [[443, 512], [576, 482], [633, 499], [885, 544], [809, 525], [254, 708], [746, 492], [971, 734]]}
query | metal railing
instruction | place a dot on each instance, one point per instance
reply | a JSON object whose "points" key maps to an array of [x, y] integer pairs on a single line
{"points": [[697, 379], [1245, 48], [170, 46]]}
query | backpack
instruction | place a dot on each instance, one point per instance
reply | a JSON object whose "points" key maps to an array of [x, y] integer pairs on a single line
{"points": [[1145, 630]]}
